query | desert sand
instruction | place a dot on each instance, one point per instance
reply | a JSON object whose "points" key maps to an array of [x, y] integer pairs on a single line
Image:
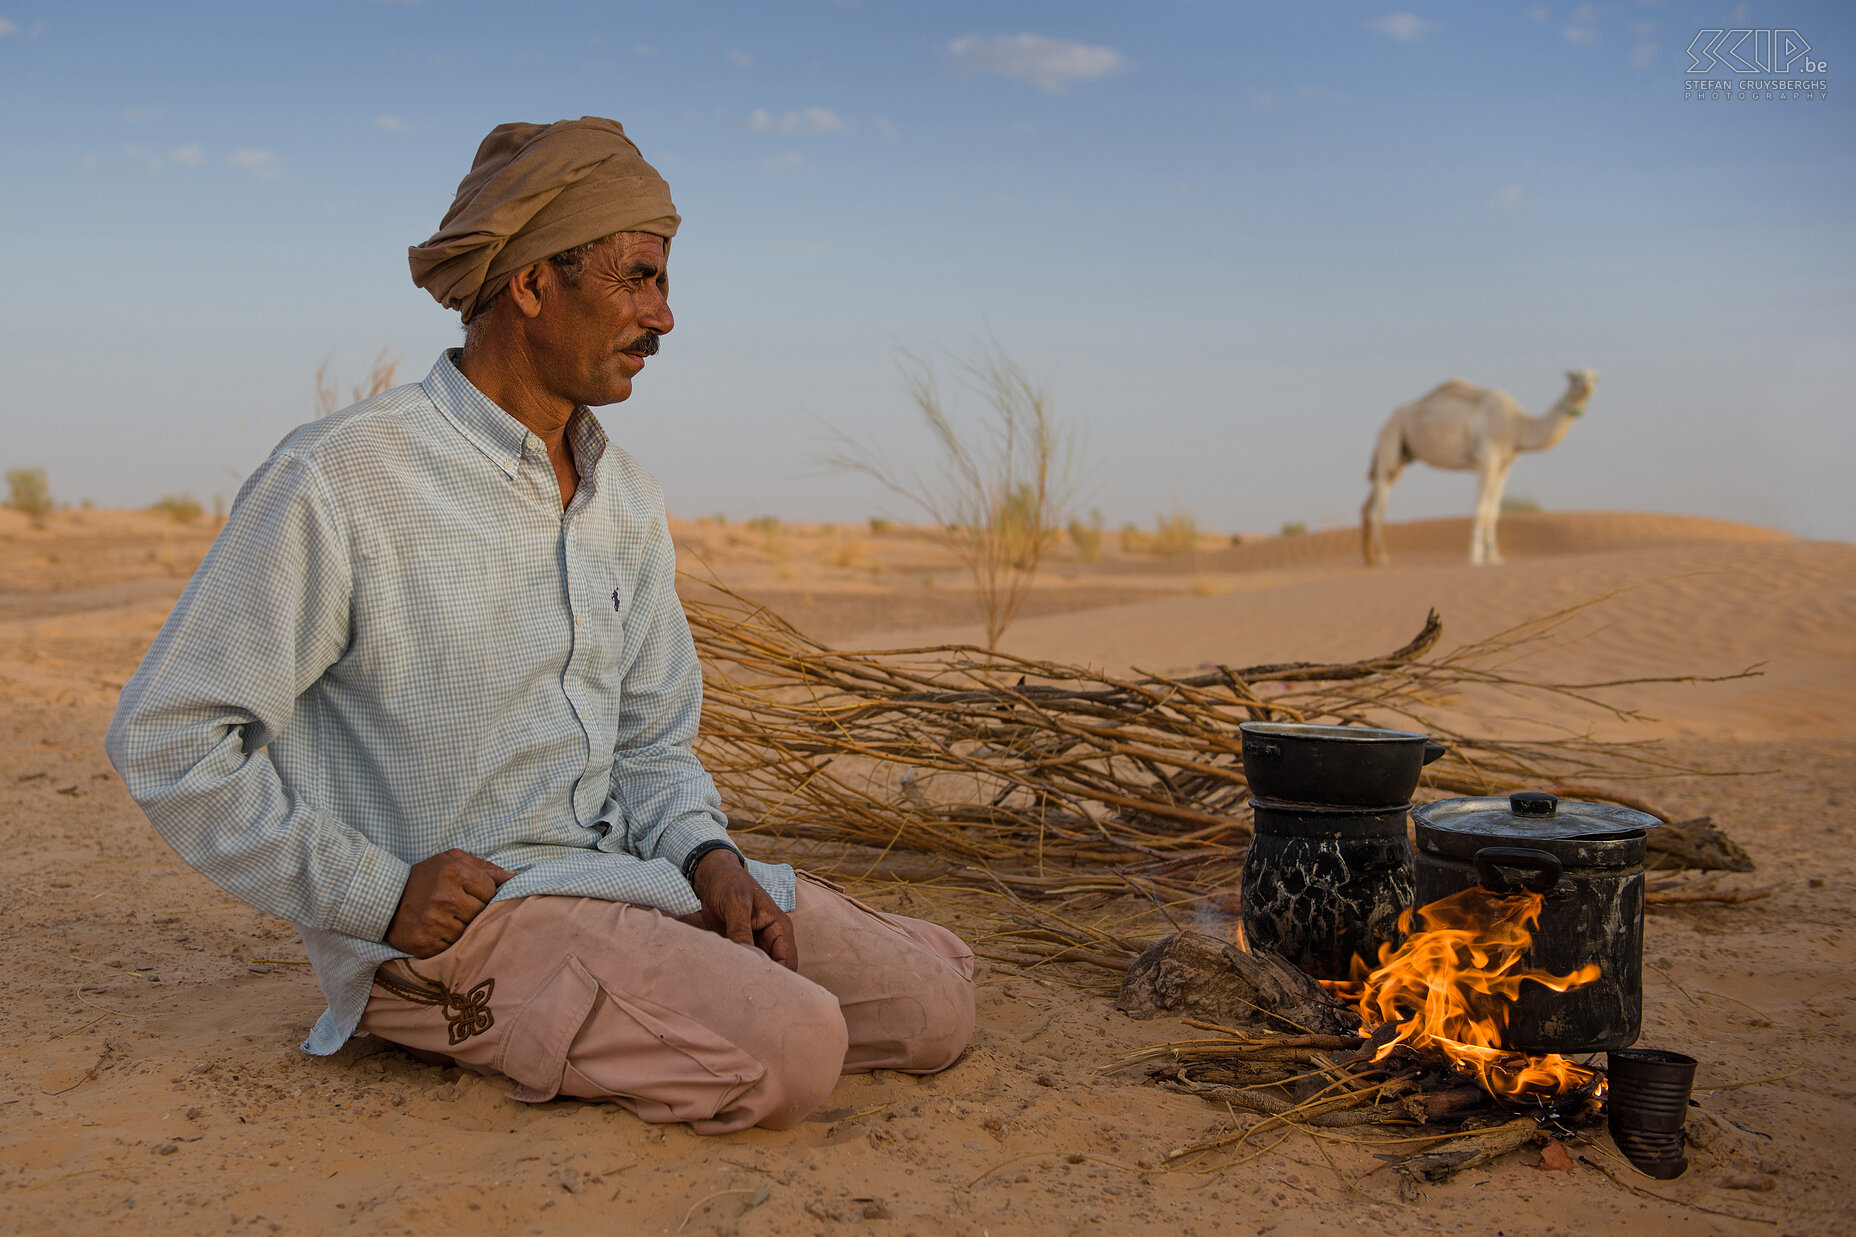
{"points": [[152, 1079]]}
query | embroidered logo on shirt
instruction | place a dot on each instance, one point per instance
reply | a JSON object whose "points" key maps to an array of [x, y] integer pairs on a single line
{"points": [[615, 601]]}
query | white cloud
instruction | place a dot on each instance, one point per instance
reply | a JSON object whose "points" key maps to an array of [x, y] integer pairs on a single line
{"points": [[1405, 27], [738, 58], [1642, 55], [1052, 64], [1586, 14], [885, 130], [7, 27], [1508, 197], [1540, 12], [786, 161], [142, 158], [811, 120], [643, 49], [1580, 36], [191, 155], [1312, 90], [139, 115], [263, 164], [390, 122]]}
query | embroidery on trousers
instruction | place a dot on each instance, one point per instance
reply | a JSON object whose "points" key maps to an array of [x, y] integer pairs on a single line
{"points": [[466, 1013]]}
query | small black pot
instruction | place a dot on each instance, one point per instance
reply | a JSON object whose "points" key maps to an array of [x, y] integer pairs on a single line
{"points": [[1324, 884], [1341, 766]]}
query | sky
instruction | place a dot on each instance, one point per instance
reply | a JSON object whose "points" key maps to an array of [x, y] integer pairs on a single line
{"points": [[1228, 238]]}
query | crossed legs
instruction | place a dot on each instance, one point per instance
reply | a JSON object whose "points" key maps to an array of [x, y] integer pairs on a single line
{"points": [[605, 1000]]}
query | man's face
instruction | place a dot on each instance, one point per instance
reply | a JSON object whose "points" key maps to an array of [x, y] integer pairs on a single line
{"points": [[592, 340]]}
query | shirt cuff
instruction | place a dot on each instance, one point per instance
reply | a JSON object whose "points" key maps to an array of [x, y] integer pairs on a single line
{"points": [[683, 836], [373, 894]]}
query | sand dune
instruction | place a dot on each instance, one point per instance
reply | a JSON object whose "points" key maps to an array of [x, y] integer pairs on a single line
{"points": [[150, 1022], [1687, 606], [1522, 535]]}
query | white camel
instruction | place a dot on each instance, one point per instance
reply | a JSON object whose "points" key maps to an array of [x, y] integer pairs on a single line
{"points": [[1463, 426]]}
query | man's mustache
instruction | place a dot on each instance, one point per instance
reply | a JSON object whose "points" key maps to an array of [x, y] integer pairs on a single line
{"points": [[644, 345]]}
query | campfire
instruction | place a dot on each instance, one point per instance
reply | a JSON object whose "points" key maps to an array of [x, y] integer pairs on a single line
{"points": [[1450, 985], [1418, 1039]]}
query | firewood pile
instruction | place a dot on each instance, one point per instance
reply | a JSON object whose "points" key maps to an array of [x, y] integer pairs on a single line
{"points": [[1017, 766]]}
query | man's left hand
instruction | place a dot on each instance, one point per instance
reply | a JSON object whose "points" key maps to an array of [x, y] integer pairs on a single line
{"points": [[734, 905]]}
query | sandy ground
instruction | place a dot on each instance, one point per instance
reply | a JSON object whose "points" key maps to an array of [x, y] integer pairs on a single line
{"points": [[151, 1079]]}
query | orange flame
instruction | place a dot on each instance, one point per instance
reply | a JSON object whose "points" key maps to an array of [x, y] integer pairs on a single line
{"points": [[1450, 986]]}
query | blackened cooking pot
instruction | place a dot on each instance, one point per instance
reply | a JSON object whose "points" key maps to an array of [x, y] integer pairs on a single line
{"points": [[1322, 884], [1345, 766], [1586, 859]]}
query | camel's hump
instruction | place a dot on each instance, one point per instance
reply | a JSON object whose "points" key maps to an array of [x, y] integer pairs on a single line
{"points": [[1457, 388]]}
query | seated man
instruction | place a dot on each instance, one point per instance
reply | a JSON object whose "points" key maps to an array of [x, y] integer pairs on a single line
{"points": [[431, 698]]}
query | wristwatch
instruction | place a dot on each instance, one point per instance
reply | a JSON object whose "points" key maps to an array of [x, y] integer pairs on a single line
{"points": [[701, 850]]}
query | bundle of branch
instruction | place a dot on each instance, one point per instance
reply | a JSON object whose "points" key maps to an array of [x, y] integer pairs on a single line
{"points": [[1017, 766]]}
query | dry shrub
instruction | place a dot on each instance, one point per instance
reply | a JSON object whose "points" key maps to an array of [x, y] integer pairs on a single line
{"points": [[846, 549], [28, 493], [1177, 533], [180, 508], [379, 378], [997, 494], [1294, 528], [1087, 538]]}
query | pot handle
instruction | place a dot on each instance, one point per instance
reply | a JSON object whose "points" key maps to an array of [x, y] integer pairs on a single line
{"points": [[1433, 750], [1544, 865], [1262, 749]]}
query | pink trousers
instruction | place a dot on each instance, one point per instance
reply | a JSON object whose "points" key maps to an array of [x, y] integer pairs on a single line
{"points": [[610, 1001]]}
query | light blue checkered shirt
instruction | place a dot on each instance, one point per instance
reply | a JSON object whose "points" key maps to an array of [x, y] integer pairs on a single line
{"points": [[401, 644]]}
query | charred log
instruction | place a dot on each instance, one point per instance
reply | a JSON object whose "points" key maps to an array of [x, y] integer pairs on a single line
{"points": [[1201, 976]]}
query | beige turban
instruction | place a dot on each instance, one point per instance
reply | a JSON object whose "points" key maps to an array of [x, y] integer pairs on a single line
{"points": [[534, 191]]}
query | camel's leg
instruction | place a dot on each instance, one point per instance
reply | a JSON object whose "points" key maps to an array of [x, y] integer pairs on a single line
{"points": [[1388, 462], [1491, 549], [1373, 523], [1493, 473]]}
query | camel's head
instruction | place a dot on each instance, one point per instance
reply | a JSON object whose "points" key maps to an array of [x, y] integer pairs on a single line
{"points": [[1579, 386]]}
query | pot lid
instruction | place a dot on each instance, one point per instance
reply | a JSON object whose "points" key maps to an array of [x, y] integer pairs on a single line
{"points": [[1346, 734], [1533, 814]]}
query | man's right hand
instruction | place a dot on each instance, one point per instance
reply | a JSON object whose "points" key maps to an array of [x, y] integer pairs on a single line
{"points": [[442, 895]]}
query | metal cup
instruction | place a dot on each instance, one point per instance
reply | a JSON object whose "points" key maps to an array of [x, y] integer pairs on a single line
{"points": [[1646, 1106]]}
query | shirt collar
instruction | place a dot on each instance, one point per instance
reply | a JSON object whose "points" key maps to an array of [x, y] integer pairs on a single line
{"points": [[490, 429]]}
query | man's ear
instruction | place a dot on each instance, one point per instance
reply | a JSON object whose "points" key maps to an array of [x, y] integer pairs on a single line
{"points": [[526, 289]]}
